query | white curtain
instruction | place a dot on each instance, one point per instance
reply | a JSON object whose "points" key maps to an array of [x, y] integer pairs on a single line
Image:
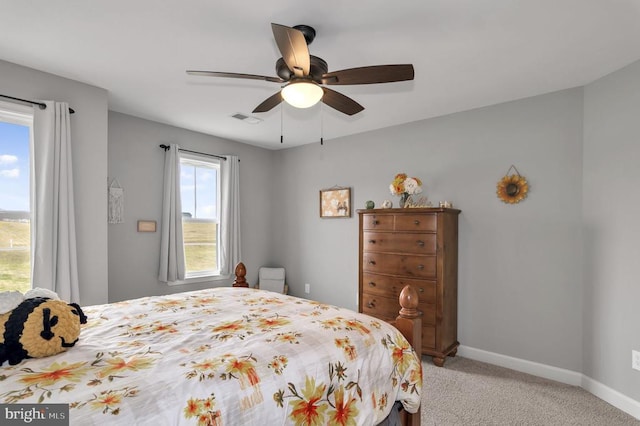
{"points": [[53, 235], [172, 265], [230, 253]]}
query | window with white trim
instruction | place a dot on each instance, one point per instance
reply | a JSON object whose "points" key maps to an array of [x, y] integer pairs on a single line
{"points": [[200, 195], [16, 136]]}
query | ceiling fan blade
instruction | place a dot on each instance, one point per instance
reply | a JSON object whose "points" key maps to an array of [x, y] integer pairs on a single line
{"points": [[235, 75], [340, 102], [370, 75], [293, 48], [269, 103]]}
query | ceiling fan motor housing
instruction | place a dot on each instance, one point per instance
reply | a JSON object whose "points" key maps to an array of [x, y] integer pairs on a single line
{"points": [[317, 68], [308, 32]]}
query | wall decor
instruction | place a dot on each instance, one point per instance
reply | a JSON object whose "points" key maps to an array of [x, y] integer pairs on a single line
{"points": [[146, 226], [116, 202], [335, 202], [512, 189]]}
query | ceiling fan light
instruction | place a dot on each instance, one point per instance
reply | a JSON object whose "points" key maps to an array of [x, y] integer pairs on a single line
{"points": [[302, 94]]}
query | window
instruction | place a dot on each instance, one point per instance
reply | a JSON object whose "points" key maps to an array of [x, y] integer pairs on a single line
{"points": [[199, 191], [16, 123]]}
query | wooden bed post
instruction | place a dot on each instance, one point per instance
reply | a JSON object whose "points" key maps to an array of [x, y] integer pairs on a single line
{"points": [[409, 321], [409, 324], [241, 272]]}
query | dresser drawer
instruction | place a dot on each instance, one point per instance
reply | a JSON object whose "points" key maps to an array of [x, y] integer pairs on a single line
{"points": [[399, 243], [428, 337], [416, 222], [391, 287], [385, 308], [411, 266], [383, 222]]}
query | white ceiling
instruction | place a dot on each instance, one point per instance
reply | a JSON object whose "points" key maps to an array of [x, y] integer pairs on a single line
{"points": [[466, 54]]}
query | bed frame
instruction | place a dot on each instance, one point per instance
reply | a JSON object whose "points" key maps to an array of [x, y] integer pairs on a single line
{"points": [[408, 323]]}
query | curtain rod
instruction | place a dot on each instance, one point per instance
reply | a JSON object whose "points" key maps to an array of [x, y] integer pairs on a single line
{"points": [[40, 104], [167, 147]]}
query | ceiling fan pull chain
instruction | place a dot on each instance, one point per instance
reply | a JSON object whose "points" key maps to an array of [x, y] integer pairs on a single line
{"points": [[281, 132], [321, 125]]}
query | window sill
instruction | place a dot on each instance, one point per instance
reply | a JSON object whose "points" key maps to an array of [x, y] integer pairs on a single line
{"points": [[199, 279]]}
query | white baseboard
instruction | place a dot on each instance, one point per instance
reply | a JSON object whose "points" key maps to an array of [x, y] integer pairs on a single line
{"points": [[541, 370], [613, 397]]}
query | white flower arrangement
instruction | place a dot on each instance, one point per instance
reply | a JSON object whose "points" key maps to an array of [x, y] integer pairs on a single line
{"points": [[405, 185], [412, 186]]}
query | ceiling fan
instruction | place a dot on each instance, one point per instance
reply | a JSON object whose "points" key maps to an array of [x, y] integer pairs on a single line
{"points": [[305, 75]]}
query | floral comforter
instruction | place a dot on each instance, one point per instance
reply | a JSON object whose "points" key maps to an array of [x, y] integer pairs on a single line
{"points": [[224, 356]]}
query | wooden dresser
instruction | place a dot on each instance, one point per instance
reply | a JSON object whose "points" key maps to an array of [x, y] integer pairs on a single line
{"points": [[417, 246]]}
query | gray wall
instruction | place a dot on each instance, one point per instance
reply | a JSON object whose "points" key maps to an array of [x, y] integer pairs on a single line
{"points": [[611, 208], [137, 162], [89, 153], [520, 283]]}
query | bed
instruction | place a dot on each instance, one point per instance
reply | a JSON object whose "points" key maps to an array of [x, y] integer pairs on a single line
{"points": [[229, 356]]}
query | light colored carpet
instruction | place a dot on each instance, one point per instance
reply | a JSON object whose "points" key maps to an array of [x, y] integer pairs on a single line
{"points": [[468, 392]]}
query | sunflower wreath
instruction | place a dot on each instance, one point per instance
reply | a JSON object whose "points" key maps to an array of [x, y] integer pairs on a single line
{"points": [[512, 189]]}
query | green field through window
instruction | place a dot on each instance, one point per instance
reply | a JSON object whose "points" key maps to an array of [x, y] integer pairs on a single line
{"points": [[15, 267], [200, 245]]}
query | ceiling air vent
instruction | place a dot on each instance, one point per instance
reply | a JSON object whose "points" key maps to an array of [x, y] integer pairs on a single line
{"points": [[247, 118]]}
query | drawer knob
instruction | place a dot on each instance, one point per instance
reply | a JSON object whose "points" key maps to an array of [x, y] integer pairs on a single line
{"points": [[416, 222], [421, 290], [372, 262], [420, 267], [374, 222], [372, 284], [420, 243], [372, 241], [371, 304]]}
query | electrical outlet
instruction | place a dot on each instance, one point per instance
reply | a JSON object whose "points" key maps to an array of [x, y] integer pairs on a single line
{"points": [[307, 289], [635, 360]]}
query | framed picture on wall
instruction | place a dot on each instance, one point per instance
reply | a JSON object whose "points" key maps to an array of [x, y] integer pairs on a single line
{"points": [[335, 202], [146, 226]]}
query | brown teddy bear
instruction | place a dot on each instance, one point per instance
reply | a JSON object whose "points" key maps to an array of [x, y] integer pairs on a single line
{"points": [[38, 326]]}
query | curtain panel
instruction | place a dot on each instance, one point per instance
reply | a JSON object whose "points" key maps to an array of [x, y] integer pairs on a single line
{"points": [[172, 263], [230, 253], [53, 236]]}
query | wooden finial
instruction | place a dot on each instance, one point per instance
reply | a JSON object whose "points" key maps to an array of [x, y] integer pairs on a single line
{"points": [[241, 272], [409, 302]]}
